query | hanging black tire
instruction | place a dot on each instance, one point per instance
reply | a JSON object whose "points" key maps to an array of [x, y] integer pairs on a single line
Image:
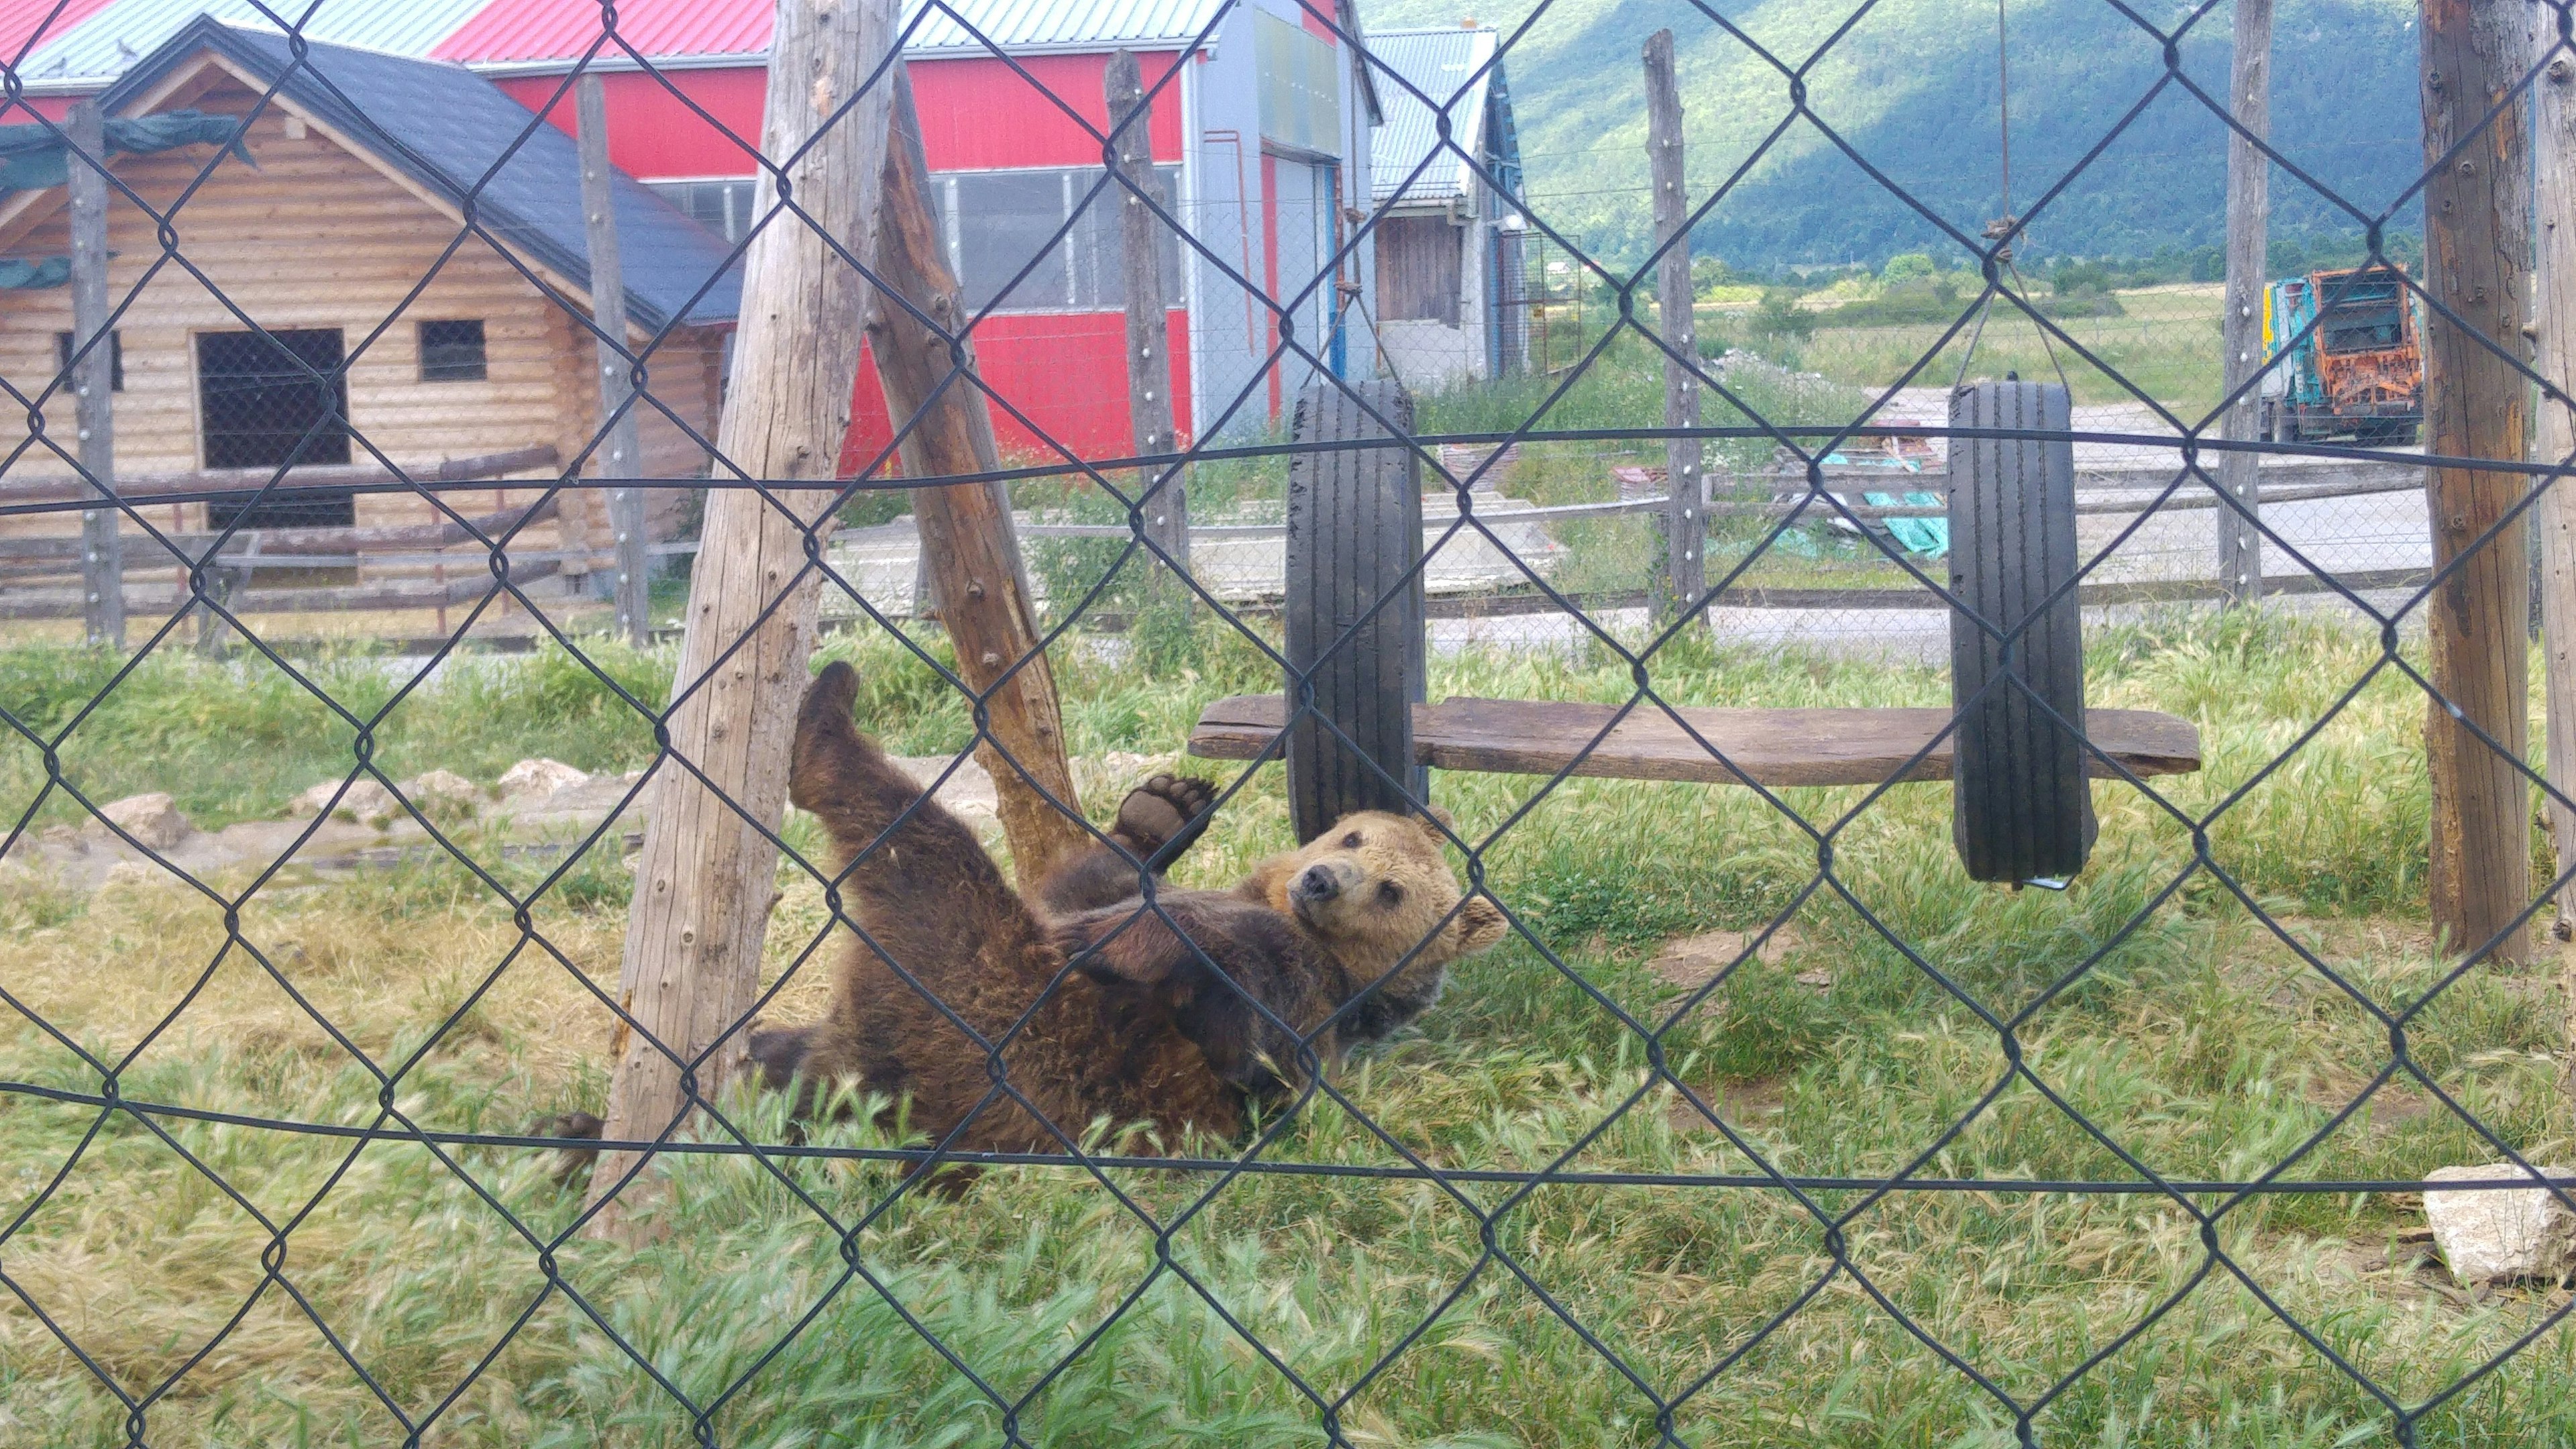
{"points": [[1354, 536], [2021, 808]]}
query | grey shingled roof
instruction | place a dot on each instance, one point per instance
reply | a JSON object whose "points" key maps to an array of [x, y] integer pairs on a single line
{"points": [[1444, 63], [447, 128]]}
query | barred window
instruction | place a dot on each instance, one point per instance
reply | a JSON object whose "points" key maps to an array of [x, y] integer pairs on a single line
{"points": [[451, 352]]}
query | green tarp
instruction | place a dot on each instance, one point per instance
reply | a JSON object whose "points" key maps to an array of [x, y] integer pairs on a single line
{"points": [[35, 157]]}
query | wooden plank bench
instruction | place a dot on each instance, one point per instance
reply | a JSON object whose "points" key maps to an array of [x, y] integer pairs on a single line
{"points": [[1770, 747]]}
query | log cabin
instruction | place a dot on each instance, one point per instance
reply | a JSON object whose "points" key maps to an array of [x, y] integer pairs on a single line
{"points": [[330, 302]]}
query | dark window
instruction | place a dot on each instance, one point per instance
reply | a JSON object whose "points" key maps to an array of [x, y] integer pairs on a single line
{"points": [[997, 222], [115, 357], [451, 352], [722, 207], [272, 400]]}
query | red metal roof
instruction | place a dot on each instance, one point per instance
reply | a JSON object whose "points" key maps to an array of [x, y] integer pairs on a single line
{"points": [[27, 24], [509, 30]]}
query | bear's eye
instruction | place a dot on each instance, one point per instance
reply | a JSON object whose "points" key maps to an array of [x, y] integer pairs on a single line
{"points": [[1389, 893], [1351, 841]]}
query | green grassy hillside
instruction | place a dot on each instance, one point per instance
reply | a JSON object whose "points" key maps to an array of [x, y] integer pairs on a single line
{"points": [[1911, 88]]}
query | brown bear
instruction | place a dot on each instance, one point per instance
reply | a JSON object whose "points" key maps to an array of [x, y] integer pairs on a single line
{"points": [[1100, 1011]]}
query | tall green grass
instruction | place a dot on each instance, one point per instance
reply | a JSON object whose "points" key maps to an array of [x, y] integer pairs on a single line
{"points": [[2197, 1041]]}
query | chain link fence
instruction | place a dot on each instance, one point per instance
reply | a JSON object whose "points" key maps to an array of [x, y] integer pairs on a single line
{"points": [[1761, 1122]]}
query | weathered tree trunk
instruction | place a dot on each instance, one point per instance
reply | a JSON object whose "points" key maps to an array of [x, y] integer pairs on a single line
{"points": [[1149, 351], [1685, 526], [2240, 547], [93, 376], [708, 876], [2554, 318], [2477, 239], [968, 546], [620, 455]]}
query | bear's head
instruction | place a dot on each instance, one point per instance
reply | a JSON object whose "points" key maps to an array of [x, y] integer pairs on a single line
{"points": [[1378, 891]]}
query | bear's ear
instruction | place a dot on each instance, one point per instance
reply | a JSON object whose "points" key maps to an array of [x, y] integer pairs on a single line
{"points": [[1440, 820], [1480, 925]]}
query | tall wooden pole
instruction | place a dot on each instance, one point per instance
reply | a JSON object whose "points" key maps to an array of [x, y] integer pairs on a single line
{"points": [[619, 456], [1149, 352], [1685, 523], [2554, 322], [969, 549], [2240, 547], [2477, 239], [94, 375], [708, 876]]}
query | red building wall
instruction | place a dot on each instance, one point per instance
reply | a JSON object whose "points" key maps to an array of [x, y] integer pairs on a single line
{"points": [[1065, 372]]}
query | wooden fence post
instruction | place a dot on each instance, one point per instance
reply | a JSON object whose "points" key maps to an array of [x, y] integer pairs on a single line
{"points": [[2240, 547], [1149, 355], [620, 457], [2477, 235], [94, 374], [708, 876], [2554, 322], [969, 548], [1685, 526]]}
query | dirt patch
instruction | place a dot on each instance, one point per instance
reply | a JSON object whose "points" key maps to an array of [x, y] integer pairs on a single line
{"points": [[1749, 1105], [1690, 962]]}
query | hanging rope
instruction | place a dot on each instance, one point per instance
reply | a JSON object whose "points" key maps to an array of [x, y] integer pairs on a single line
{"points": [[2001, 228]]}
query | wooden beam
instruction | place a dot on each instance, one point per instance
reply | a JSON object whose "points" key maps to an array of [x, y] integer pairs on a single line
{"points": [[968, 548], [400, 538], [1165, 495], [708, 875], [619, 456], [2554, 318], [93, 375], [2240, 546], [2477, 236], [1685, 525], [1770, 747], [250, 480]]}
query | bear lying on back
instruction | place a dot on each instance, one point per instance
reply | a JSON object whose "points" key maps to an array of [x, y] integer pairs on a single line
{"points": [[1142, 1029]]}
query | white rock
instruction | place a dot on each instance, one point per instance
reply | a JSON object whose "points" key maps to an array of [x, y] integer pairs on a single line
{"points": [[442, 788], [125, 873], [365, 801], [536, 779], [2502, 1233], [150, 819]]}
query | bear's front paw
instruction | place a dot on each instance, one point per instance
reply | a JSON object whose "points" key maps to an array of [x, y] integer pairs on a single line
{"points": [[1167, 810]]}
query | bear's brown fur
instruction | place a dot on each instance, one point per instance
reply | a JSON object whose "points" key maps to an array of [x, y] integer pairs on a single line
{"points": [[1101, 1011]]}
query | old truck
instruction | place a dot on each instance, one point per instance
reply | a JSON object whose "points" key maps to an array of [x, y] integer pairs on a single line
{"points": [[2358, 372]]}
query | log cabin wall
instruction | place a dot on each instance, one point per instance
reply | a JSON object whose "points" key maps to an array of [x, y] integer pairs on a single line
{"points": [[316, 237]]}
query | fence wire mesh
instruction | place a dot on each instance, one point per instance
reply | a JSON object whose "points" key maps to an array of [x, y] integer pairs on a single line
{"points": [[284, 1149]]}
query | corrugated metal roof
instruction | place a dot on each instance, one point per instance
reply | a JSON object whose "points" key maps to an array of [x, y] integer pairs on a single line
{"points": [[535, 31], [35, 22], [127, 30], [446, 128], [1449, 66]]}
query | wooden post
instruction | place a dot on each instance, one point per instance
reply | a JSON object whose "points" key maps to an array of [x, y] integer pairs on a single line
{"points": [[2240, 547], [2554, 319], [968, 546], [708, 877], [1685, 529], [620, 457], [2477, 236], [1149, 356], [94, 375]]}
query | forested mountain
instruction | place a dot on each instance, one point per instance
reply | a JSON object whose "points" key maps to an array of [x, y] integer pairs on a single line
{"points": [[1912, 88]]}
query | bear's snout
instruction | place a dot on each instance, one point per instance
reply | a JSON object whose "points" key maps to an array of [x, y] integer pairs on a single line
{"points": [[1317, 885]]}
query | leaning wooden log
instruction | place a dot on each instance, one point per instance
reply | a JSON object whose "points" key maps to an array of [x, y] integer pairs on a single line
{"points": [[708, 874], [968, 548], [251, 480]]}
